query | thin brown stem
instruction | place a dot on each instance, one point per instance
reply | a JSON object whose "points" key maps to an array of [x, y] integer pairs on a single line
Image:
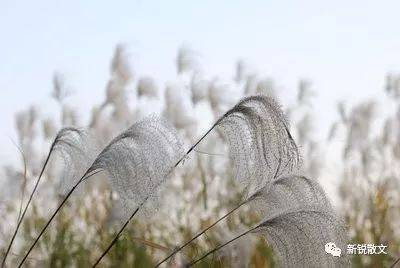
{"points": [[48, 222], [199, 234], [118, 235], [221, 246], [84, 177], [26, 207], [133, 214], [197, 143]]}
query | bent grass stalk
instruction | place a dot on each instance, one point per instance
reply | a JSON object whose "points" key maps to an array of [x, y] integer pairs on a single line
{"points": [[85, 176], [238, 108], [137, 209], [150, 244], [58, 139], [20, 210], [223, 245], [117, 236], [27, 205], [215, 223], [199, 234], [96, 167]]}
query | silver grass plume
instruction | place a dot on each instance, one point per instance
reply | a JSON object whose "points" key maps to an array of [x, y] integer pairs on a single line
{"points": [[68, 140], [298, 221], [259, 140], [185, 60], [49, 129], [260, 144], [78, 150], [250, 125], [140, 159], [261, 148], [118, 158], [219, 96], [177, 109], [198, 88], [147, 87], [60, 89]]}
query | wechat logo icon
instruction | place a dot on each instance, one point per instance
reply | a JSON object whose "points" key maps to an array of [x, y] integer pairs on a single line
{"points": [[331, 248]]}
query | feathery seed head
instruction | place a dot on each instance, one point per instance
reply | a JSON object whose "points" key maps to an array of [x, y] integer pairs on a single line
{"points": [[140, 159], [261, 146]]}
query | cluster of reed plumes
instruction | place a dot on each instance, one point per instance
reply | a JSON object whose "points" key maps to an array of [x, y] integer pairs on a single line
{"points": [[241, 183], [297, 218]]}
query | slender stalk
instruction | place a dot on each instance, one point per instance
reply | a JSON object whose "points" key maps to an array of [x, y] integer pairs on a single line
{"points": [[26, 207], [52, 216], [221, 246], [137, 209], [150, 244], [199, 234], [194, 145], [49, 221], [116, 237]]}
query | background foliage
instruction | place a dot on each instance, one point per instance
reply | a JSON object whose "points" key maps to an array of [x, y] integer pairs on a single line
{"points": [[363, 146]]}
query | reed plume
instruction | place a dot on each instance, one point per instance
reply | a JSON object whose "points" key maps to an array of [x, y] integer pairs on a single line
{"points": [[261, 149], [298, 222], [68, 139], [152, 149], [131, 175], [257, 120]]}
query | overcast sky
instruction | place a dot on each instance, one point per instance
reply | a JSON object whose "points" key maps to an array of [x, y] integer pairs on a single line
{"points": [[344, 47]]}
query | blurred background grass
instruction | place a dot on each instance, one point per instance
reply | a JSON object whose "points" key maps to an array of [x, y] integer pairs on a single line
{"points": [[345, 49], [367, 196]]}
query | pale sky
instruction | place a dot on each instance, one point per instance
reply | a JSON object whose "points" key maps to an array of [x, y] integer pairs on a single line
{"points": [[344, 47]]}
